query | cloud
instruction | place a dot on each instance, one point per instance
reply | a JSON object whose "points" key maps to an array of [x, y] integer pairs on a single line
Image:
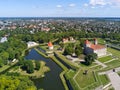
{"points": [[104, 2], [93, 7], [59, 6], [86, 5], [98, 2], [115, 3], [72, 5]]}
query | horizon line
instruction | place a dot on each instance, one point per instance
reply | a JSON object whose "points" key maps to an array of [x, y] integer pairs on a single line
{"points": [[56, 17]]}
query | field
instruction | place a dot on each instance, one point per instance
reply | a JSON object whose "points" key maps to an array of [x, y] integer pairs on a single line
{"points": [[70, 74], [4, 67], [113, 64], [114, 52], [104, 79], [105, 59], [43, 69], [101, 41], [85, 81]]}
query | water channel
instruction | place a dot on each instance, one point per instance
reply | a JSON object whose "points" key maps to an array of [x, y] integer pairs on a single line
{"points": [[51, 81]]}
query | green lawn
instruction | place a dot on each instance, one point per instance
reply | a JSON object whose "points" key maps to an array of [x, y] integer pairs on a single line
{"points": [[85, 80], [101, 41], [115, 52], [83, 66], [4, 68], [70, 74], [64, 59], [104, 59], [96, 68], [113, 64], [44, 47], [104, 79], [37, 73]]}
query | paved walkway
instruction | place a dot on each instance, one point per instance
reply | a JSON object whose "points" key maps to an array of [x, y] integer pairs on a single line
{"points": [[115, 80], [99, 88], [110, 71], [102, 64], [114, 77]]}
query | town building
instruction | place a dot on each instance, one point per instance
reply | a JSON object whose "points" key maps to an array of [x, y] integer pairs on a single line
{"points": [[32, 44], [45, 29], [89, 48], [3, 39], [65, 40], [50, 46]]}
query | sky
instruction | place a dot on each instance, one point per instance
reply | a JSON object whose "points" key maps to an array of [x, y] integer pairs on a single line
{"points": [[59, 8]]}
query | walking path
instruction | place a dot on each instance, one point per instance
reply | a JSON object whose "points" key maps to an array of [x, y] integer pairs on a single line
{"points": [[115, 80], [99, 88], [102, 64], [111, 60], [114, 77]]}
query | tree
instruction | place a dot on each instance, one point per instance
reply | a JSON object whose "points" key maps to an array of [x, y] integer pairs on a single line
{"points": [[1, 62], [28, 66], [16, 83], [69, 49], [4, 55], [78, 50], [90, 58], [37, 65]]}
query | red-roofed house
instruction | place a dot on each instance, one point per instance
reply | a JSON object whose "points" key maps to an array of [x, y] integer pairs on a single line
{"points": [[50, 45], [89, 48]]}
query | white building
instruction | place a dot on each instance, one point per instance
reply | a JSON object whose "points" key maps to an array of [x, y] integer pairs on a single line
{"points": [[89, 48], [3, 39], [32, 44]]}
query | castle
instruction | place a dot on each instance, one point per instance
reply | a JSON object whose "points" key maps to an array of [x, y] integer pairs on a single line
{"points": [[50, 46], [89, 48]]}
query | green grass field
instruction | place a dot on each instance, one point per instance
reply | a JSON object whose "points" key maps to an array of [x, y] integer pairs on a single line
{"points": [[41, 72], [85, 80], [104, 59], [113, 64], [115, 52], [101, 41], [104, 79], [4, 68], [63, 58], [70, 74]]}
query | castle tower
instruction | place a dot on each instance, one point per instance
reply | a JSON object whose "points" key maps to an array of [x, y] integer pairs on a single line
{"points": [[95, 41], [87, 43], [50, 45]]}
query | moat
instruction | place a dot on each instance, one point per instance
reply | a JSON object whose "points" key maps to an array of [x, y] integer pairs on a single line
{"points": [[51, 81]]}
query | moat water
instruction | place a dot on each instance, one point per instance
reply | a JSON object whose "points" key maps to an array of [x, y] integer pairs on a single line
{"points": [[51, 81]]}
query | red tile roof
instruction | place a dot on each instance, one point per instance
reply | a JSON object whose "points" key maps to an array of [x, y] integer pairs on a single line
{"points": [[93, 46], [96, 47], [50, 44]]}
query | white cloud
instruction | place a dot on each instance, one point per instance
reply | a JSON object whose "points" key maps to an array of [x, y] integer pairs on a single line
{"points": [[98, 2], [115, 3], [104, 2], [72, 5], [85, 4], [59, 6], [93, 7]]}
